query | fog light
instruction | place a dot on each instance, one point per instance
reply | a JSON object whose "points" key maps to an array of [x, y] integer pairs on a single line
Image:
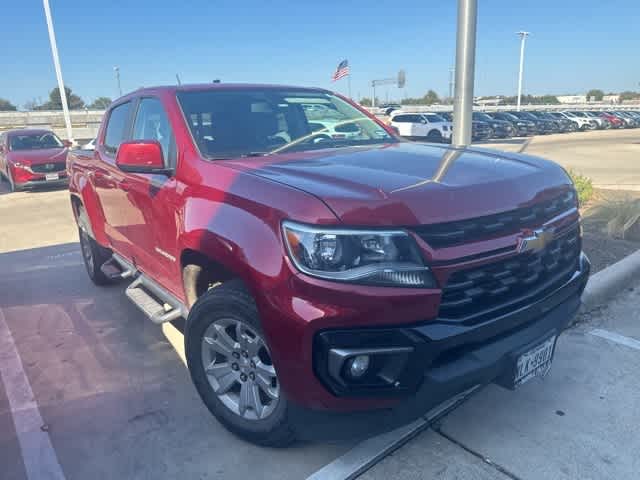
{"points": [[357, 366]]}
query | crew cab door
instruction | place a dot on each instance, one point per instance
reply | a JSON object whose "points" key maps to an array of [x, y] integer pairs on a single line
{"points": [[107, 177], [154, 199]]}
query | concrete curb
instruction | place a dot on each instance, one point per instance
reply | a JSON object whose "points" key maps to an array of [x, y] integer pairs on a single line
{"points": [[610, 281]]}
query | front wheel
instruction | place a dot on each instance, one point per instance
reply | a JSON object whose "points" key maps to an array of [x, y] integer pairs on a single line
{"points": [[231, 366], [434, 136]]}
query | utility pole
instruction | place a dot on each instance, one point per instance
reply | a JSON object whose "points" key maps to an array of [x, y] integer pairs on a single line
{"points": [[56, 66], [116, 69], [523, 39], [465, 71]]}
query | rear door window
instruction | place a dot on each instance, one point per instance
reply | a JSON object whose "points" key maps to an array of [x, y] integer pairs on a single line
{"points": [[152, 123], [117, 127]]}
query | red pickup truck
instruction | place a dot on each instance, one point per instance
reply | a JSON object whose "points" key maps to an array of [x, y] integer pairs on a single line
{"points": [[323, 273]]}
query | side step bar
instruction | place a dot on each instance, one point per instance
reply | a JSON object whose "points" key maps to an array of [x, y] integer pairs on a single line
{"points": [[158, 304]]}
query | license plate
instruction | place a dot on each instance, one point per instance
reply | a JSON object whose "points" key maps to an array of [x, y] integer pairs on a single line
{"points": [[535, 363], [51, 176]]}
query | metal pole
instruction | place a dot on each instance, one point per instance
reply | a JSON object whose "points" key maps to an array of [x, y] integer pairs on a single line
{"points": [[465, 70], [349, 79], [117, 70], [523, 38], [373, 100], [56, 66]]}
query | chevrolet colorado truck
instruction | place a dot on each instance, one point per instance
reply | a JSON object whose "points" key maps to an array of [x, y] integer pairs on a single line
{"points": [[326, 275]]}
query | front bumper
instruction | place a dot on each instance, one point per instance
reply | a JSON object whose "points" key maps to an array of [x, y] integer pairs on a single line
{"points": [[440, 349], [451, 359]]}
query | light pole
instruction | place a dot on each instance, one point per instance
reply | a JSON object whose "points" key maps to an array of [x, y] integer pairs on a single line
{"points": [[116, 69], [523, 39], [56, 66], [465, 71]]}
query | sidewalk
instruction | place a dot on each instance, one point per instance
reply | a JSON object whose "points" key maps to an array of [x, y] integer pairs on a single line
{"points": [[580, 422]]}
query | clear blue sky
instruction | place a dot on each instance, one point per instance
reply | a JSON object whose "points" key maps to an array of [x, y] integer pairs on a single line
{"points": [[575, 44]]}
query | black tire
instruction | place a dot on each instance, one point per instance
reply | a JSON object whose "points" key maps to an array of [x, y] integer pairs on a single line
{"points": [[12, 185], [232, 301], [93, 254], [434, 136]]}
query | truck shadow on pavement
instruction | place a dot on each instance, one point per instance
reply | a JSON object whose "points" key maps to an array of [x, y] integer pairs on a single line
{"points": [[116, 400]]}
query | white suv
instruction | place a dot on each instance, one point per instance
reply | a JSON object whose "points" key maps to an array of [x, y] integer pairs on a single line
{"points": [[582, 119], [423, 126]]}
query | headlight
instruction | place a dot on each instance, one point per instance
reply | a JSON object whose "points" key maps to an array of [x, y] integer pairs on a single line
{"points": [[495, 125], [372, 257]]}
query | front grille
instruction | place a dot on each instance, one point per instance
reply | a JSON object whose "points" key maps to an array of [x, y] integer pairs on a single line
{"points": [[48, 167], [471, 292], [466, 231]]}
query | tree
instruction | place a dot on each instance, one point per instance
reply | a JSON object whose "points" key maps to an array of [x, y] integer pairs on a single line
{"points": [[100, 103], [431, 97], [7, 106], [628, 95], [365, 102], [55, 101], [595, 94]]}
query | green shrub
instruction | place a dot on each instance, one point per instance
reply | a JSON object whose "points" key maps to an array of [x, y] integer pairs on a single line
{"points": [[584, 186]]}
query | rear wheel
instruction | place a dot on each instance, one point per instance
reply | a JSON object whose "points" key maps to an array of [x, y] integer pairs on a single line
{"points": [[231, 366], [93, 254]]}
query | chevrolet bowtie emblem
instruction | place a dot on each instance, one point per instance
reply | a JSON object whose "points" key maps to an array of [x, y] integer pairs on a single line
{"points": [[536, 240]]}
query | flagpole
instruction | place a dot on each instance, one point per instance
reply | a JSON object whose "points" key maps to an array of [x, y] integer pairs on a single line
{"points": [[349, 80]]}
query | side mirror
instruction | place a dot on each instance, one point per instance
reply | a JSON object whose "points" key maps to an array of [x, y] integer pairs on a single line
{"points": [[144, 156], [67, 144]]}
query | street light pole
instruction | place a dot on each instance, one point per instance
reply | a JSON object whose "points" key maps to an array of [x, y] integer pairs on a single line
{"points": [[465, 71], [116, 69], [523, 38], [56, 66]]}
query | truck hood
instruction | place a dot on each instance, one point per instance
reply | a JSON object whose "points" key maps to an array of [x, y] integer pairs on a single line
{"points": [[37, 157], [410, 184]]}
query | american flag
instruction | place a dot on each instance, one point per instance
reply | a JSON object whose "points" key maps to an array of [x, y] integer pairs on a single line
{"points": [[341, 71]]}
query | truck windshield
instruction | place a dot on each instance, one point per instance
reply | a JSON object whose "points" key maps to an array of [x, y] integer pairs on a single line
{"points": [[240, 123], [34, 141]]}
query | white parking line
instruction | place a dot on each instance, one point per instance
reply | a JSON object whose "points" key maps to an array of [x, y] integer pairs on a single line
{"points": [[617, 338], [40, 460], [369, 452]]}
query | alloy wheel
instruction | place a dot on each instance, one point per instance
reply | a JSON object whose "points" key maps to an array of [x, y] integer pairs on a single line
{"points": [[239, 369]]}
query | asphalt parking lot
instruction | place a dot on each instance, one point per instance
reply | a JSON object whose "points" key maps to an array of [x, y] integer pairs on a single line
{"points": [[91, 389]]}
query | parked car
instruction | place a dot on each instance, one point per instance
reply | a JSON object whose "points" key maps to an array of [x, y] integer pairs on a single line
{"points": [[479, 130], [32, 157], [583, 121], [321, 275], [615, 121], [602, 122], [500, 128], [422, 126], [543, 127], [522, 127], [629, 121], [567, 124], [390, 107], [557, 125], [91, 145]]}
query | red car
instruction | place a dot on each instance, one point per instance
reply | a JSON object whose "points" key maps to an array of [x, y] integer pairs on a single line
{"points": [[615, 121], [317, 275], [31, 157]]}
